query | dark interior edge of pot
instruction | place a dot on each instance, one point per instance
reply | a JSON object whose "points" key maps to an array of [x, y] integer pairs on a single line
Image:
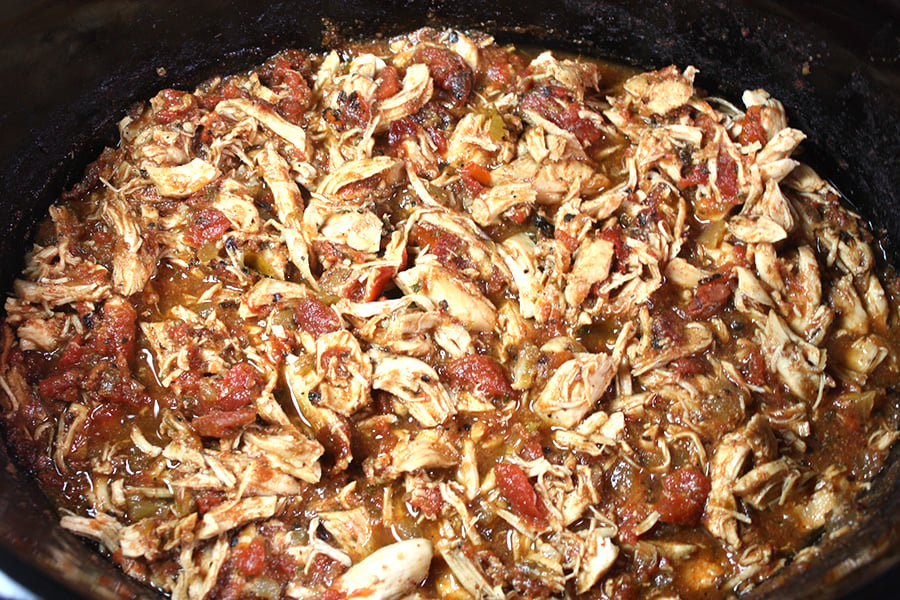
{"points": [[48, 561], [45, 186]]}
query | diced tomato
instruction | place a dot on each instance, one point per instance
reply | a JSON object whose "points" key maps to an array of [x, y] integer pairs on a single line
{"points": [[207, 225], [698, 174], [349, 112], [388, 83], [324, 570], [450, 249], [250, 558], [60, 387], [74, 352], [238, 387], [209, 501], [448, 70], [333, 118], [327, 252], [684, 494], [175, 105], [556, 104], [378, 280], [33, 363], [281, 73], [631, 513], [429, 501], [228, 91], [478, 373], [108, 383], [707, 125], [438, 138], [532, 449], [472, 172], [498, 66], [752, 129], [218, 424], [614, 235], [753, 368], [282, 566], [426, 234], [333, 594], [341, 281], [565, 239], [518, 214], [688, 365], [736, 258], [358, 188], [293, 80], [334, 359], [400, 129], [316, 317], [711, 296], [115, 333], [291, 109], [518, 491], [196, 386], [666, 325], [726, 178], [284, 70], [356, 110]]}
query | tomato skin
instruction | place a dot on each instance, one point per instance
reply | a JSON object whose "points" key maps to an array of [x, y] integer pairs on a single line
{"points": [[218, 423], [450, 249], [518, 491]]}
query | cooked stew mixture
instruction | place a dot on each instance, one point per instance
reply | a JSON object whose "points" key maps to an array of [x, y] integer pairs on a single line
{"points": [[436, 318]]}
